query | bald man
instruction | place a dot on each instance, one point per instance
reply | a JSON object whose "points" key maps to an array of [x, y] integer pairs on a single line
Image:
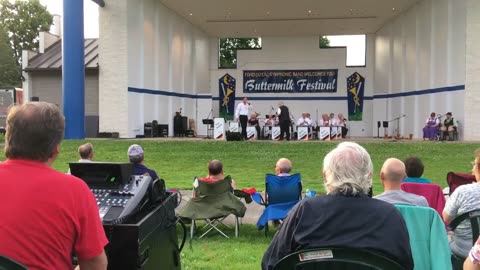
{"points": [[283, 167], [392, 174]]}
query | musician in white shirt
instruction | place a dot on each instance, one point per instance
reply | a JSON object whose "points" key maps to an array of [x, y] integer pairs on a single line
{"points": [[332, 121], [325, 121], [304, 121], [242, 113]]}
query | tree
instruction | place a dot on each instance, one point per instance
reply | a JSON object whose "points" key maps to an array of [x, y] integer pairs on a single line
{"points": [[9, 73], [324, 42], [229, 46], [23, 20]]}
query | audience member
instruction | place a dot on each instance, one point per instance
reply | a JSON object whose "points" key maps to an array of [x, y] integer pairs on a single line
{"points": [[86, 153], [431, 128], [391, 176], [46, 215], [283, 167], [414, 168], [346, 216], [136, 156], [215, 173], [464, 199], [473, 260]]}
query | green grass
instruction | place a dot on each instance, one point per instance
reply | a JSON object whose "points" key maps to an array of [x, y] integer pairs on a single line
{"points": [[216, 252], [247, 162]]}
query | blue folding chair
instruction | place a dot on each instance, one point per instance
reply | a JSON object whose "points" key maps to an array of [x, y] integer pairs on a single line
{"points": [[282, 193]]}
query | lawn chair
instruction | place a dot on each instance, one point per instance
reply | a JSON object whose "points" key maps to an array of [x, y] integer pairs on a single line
{"points": [[474, 217], [336, 258], [432, 192], [282, 193], [213, 202], [454, 180], [428, 238]]}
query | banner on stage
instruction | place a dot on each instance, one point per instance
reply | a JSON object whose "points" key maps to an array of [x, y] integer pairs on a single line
{"points": [[302, 133], [324, 133], [219, 129], [355, 92], [290, 81], [275, 133], [226, 86], [251, 133]]}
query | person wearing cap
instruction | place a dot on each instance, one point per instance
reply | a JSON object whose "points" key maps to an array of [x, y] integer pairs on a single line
{"points": [[449, 126], [136, 156]]}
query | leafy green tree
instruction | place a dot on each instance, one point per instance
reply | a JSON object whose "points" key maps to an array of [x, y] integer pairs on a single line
{"points": [[229, 47], [23, 20], [324, 42], [9, 72]]}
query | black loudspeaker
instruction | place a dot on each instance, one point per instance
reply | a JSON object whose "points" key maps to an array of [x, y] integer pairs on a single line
{"points": [[379, 124], [163, 130], [35, 99], [155, 131], [234, 136], [147, 129], [385, 124]]}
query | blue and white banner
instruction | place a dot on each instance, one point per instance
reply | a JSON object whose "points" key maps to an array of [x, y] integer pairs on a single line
{"points": [[290, 81]]}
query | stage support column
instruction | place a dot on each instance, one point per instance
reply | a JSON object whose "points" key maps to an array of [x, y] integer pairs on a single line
{"points": [[73, 69], [472, 69]]}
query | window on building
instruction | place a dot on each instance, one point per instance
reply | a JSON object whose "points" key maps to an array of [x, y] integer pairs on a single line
{"points": [[228, 49], [355, 44]]}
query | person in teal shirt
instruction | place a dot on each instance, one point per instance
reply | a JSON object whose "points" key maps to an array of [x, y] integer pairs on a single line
{"points": [[414, 169]]}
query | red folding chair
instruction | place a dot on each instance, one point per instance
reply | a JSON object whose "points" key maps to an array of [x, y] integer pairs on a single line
{"points": [[432, 192], [454, 180]]}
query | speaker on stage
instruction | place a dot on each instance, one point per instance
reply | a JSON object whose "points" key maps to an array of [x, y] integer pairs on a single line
{"points": [[147, 129], [34, 99], [155, 132], [379, 124], [385, 124], [163, 130]]}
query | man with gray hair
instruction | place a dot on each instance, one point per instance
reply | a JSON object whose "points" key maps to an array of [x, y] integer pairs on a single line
{"points": [[283, 167], [136, 156], [392, 174], [345, 217]]}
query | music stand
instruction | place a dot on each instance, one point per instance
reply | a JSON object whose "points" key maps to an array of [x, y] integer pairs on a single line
{"points": [[209, 123], [397, 137]]}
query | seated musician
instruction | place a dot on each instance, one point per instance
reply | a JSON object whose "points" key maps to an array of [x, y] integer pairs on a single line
{"points": [[271, 121], [449, 126], [325, 121], [431, 127], [303, 121], [342, 122], [332, 120], [253, 122]]}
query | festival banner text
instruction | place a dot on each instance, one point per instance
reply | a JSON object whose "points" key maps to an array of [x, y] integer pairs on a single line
{"points": [[295, 81]]}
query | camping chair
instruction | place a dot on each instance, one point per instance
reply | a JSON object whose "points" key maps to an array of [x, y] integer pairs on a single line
{"points": [[281, 194], [432, 192], [213, 202], [336, 258], [9, 264], [428, 238], [474, 217], [454, 180]]}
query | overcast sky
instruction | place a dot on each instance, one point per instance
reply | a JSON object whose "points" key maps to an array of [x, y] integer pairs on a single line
{"points": [[90, 14]]}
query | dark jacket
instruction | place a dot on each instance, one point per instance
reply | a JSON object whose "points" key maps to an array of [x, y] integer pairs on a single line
{"points": [[284, 114]]}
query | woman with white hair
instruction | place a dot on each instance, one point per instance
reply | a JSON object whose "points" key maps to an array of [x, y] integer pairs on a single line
{"points": [[346, 216]]}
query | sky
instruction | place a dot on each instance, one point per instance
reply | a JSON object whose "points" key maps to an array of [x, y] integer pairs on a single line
{"points": [[90, 15]]}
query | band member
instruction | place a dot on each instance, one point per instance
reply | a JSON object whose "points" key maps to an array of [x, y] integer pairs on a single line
{"points": [[271, 121], [342, 121], [284, 120], [242, 114], [253, 122], [430, 130], [325, 121], [332, 121], [304, 121], [449, 126]]}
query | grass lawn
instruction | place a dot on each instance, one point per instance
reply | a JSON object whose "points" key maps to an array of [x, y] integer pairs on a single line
{"points": [[216, 252], [247, 162]]}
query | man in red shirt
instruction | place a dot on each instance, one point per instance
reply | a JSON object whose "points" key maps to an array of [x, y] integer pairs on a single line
{"points": [[45, 214]]}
